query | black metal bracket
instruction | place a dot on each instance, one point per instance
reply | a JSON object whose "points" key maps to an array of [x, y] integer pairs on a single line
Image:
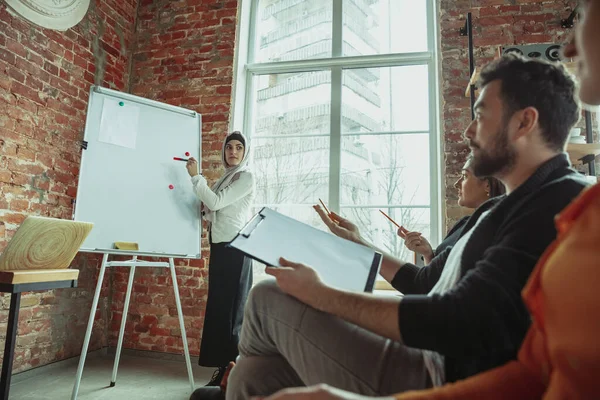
{"points": [[84, 144], [569, 22], [589, 138], [464, 31], [588, 158]]}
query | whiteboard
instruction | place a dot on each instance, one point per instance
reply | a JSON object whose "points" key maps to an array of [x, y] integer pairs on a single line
{"points": [[129, 185]]}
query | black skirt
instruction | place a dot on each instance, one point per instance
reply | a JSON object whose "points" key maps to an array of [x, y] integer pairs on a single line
{"points": [[229, 281]]}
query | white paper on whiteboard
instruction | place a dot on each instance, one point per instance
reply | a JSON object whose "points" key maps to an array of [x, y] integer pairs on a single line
{"points": [[119, 123]]}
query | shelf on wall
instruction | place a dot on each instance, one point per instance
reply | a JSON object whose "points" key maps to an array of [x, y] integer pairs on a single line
{"points": [[579, 150]]}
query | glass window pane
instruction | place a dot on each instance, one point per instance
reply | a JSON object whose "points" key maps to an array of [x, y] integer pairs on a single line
{"points": [[292, 104], [385, 99], [302, 213], [384, 26], [385, 170], [291, 171], [379, 231], [288, 30]]}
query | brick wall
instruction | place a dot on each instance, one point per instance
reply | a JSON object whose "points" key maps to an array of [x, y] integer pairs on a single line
{"points": [[184, 57], [495, 23], [45, 77]]}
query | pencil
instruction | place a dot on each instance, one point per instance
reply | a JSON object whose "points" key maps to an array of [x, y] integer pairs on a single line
{"points": [[180, 159], [325, 207], [394, 222]]}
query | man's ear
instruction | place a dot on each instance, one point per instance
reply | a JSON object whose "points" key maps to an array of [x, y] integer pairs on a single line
{"points": [[526, 121]]}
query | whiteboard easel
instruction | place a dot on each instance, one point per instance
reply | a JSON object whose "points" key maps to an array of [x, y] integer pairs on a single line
{"points": [[133, 191]]}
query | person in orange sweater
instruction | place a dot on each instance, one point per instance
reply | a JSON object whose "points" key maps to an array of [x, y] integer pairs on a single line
{"points": [[560, 356]]}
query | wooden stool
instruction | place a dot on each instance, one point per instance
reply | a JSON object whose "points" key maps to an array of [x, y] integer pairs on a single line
{"points": [[37, 258]]}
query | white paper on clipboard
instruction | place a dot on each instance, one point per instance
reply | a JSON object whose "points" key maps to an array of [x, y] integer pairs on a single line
{"points": [[339, 262]]}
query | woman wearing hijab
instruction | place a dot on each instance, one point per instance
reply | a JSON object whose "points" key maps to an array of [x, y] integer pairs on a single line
{"points": [[226, 209]]}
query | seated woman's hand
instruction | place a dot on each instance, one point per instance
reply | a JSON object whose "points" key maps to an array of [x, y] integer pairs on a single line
{"points": [[417, 243]]}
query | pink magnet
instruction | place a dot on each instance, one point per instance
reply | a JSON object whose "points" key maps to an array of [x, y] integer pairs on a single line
{"points": [[171, 187], [187, 153]]}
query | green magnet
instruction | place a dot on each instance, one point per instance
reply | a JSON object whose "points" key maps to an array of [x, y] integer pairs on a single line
{"points": [[121, 103]]}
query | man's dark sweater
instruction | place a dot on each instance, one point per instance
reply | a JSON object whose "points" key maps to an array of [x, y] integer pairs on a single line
{"points": [[481, 322]]}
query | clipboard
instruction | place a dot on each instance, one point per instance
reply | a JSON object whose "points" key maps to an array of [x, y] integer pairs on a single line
{"points": [[340, 263]]}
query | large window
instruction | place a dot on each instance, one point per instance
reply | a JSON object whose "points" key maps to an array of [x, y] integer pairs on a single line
{"points": [[340, 104]]}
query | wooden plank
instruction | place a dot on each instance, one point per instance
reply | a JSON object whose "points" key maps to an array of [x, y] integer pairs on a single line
{"points": [[383, 285], [44, 275], [472, 81]]}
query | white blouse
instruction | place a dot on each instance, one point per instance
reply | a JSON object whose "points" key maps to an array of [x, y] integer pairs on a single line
{"points": [[232, 205]]}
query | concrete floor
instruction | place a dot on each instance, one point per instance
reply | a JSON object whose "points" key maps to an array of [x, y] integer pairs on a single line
{"points": [[140, 376]]}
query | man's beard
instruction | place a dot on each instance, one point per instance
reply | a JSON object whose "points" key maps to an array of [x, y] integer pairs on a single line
{"points": [[495, 161]]}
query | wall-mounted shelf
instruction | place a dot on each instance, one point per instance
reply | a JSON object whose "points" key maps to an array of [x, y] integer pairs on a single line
{"points": [[577, 151]]}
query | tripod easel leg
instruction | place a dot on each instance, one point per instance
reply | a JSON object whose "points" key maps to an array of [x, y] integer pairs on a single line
{"points": [[113, 379], [88, 332], [181, 324]]}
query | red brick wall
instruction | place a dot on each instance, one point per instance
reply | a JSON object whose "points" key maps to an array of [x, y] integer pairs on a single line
{"points": [[184, 57], [495, 23], [45, 77]]}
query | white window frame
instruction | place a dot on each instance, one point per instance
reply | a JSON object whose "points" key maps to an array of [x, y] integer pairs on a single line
{"points": [[243, 92]]}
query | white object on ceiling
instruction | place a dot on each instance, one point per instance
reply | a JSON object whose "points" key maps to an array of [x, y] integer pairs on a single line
{"points": [[54, 14]]}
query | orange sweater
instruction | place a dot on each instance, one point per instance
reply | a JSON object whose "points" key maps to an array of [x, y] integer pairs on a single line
{"points": [[560, 356]]}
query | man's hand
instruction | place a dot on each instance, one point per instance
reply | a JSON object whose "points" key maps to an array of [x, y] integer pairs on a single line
{"points": [[317, 392], [299, 281], [192, 167], [339, 226]]}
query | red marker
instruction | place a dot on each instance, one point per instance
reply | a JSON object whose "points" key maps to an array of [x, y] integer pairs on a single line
{"points": [[180, 159], [171, 187]]}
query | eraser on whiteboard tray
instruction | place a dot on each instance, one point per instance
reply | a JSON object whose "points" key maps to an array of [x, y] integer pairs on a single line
{"points": [[126, 246]]}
